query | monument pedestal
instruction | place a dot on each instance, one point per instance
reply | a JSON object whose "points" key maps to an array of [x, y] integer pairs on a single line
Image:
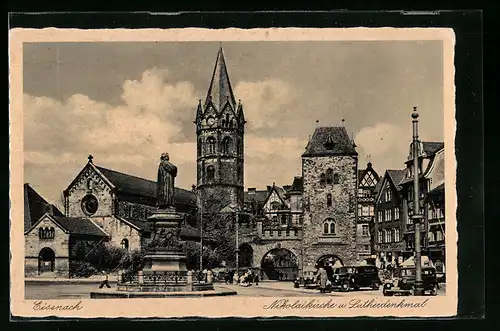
{"points": [[170, 257]]}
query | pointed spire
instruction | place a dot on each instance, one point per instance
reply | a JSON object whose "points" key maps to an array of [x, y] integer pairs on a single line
{"points": [[239, 113], [199, 112], [220, 90]]}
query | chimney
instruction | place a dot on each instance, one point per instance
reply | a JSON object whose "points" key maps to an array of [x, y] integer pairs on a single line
{"points": [[251, 190], [269, 188]]}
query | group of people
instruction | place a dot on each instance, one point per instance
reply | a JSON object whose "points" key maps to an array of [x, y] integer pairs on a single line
{"points": [[247, 279]]}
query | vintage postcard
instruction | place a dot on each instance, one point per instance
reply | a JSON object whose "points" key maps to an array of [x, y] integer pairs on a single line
{"points": [[233, 173]]}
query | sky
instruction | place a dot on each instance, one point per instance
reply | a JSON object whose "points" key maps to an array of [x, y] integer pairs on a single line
{"points": [[126, 103]]}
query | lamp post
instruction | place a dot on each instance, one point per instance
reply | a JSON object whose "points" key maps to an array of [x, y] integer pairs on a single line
{"points": [[417, 217]]}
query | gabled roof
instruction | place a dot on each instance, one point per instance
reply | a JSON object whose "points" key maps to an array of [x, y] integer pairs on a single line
{"points": [[336, 137], [220, 90], [397, 176], [73, 225], [431, 147], [80, 225], [35, 206], [137, 186]]}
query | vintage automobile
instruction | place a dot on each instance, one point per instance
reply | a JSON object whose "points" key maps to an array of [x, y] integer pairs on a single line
{"points": [[404, 282], [346, 278]]}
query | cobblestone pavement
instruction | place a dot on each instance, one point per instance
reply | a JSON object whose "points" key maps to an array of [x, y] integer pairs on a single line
{"points": [[61, 290]]}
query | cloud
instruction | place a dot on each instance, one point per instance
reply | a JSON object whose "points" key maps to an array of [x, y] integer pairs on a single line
{"points": [[266, 103], [386, 144], [128, 137]]}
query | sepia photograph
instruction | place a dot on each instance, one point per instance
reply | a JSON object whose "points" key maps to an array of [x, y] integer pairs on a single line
{"points": [[229, 173]]}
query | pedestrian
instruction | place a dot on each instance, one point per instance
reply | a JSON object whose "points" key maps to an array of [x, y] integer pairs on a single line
{"points": [[322, 278], [105, 281], [256, 279]]}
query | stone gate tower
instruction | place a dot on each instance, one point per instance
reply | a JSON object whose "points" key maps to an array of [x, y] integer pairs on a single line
{"points": [[329, 171], [220, 127]]}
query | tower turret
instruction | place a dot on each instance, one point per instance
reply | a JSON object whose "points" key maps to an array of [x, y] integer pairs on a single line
{"points": [[220, 132]]}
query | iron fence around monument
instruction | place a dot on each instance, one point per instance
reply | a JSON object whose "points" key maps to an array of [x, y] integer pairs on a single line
{"points": [[157, 278]]}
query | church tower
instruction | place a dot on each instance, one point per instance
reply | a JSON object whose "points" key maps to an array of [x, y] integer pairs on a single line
{"points": [[220, 127]]}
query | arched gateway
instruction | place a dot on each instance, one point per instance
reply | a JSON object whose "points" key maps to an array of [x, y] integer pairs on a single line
{"points": [[279, 264]]}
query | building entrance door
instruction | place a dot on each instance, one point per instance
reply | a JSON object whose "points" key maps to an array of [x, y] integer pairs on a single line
{"points": [[46, 260]]}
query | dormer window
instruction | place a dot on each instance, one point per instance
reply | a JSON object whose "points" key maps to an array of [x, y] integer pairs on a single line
{"points": [[329, 144]]}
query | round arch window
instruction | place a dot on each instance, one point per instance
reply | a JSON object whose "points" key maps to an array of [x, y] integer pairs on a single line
{"points": [[89, 204]]}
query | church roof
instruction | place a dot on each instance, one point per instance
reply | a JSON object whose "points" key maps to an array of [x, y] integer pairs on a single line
{"points": [[327, 141], [79, 225], [35, 206], [128, 184], [220, 90]]}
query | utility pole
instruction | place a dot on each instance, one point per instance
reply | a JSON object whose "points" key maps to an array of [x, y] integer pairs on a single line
{"points": [[417, 217]]}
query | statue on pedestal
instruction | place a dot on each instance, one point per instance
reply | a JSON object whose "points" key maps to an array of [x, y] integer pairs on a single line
{"points": [[165, 186]]}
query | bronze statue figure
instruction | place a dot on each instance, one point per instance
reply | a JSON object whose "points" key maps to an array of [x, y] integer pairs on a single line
{"points": [[165, 186]]}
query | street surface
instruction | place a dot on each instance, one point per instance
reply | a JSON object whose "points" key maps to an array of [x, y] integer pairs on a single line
{"points": [[61, 290]]}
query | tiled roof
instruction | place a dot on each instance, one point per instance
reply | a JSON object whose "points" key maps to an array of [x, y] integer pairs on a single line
{"points": [[35, 206], [81, 226], [220, 90], [258, 196], [431, 147], [330, 141], [378, 186], [397, 176], [133, 185]]}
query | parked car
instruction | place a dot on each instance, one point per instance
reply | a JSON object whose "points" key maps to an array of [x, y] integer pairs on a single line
{"points": [[404, 282], [346, 278]]}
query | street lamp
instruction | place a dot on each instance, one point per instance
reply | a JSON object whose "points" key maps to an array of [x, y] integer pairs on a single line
{"points": [[417, 217]]}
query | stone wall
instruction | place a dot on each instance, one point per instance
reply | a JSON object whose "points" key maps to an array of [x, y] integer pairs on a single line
{"points": [[343, 243], [59, 244]]}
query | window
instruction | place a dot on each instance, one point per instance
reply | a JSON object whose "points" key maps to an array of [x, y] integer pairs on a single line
{"points": [[283, 220], [371, 210], [329, 176], [387, 236], [388, 215], [397, 238], [366, 247], [275, 219], [329, 200], [329, 226], [275, 205], [439, 235], [380, 236], [226, 145], [388, 194], [90, 185], [366, 211], [380, 216], [210, 173], [360, 210], [124, 244], [364, 230], [46, 233], [396, 213], [210, 145], [336, 178]]}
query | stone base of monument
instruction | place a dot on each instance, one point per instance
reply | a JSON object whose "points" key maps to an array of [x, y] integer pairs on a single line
{"points": [[164, 273]]}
